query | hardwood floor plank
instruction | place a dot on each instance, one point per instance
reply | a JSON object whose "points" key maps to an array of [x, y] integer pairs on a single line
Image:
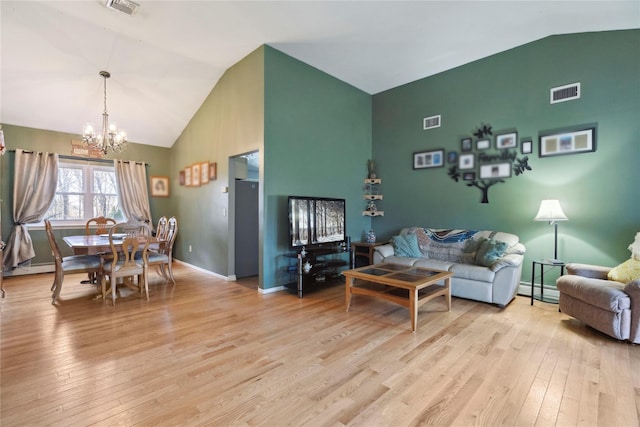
{"points": [[210, 352]]}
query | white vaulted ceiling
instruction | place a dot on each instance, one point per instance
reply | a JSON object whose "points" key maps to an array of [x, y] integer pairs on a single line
{"points": [[165, 59]]}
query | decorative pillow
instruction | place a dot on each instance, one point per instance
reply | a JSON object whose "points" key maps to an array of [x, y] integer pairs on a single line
{"points": [[490, 251], [406, 245], [625, 272]]}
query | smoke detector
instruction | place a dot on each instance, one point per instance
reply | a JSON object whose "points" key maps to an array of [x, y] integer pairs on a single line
{"points": [[127, 7]]}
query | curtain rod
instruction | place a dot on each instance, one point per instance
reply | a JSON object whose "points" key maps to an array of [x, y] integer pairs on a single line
{"points": [[84, 159]]}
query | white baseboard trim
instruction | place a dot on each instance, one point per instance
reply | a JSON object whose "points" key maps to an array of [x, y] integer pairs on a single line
{"points": [[525, 290], [272, 290], [210, 273], [33, 269]]}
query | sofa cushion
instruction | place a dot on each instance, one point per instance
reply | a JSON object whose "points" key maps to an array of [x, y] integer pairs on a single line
{"points": [[406, 245], [473, 272], [490, 251], [434, 264], [402, 260], [625, 272], [446, 245]]}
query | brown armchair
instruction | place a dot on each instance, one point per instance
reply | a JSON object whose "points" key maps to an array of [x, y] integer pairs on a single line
{"points": [[610, 307]]}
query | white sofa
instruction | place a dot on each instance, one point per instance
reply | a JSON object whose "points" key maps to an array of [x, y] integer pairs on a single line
{"points": [[486, 265]]}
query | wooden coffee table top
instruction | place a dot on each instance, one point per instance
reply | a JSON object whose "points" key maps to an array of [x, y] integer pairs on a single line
{"points": [[400, 276]]}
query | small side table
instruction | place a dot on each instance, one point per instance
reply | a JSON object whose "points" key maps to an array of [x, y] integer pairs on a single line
{"points": [[543, 263], [364, 250]]}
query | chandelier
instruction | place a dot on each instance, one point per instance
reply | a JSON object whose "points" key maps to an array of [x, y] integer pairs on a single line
{"points": [[110, 138]]}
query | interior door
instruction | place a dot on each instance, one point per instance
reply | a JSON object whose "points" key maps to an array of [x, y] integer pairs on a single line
{"points": [[246, 228]]}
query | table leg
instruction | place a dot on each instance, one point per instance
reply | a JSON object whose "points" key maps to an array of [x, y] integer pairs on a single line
{"points": [[347, 292], [413, 308], [533, 276], [447, 284]]}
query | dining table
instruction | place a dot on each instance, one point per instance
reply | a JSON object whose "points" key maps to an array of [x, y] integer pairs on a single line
{"points": [[94, 244]]}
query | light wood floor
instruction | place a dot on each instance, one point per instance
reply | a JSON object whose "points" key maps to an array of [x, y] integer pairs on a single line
{"points": [[210, 352]]}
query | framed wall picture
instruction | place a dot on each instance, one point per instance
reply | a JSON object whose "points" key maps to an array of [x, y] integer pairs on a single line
{"points": [[213, 171], [159, 186], [483, 144], [569, 142], [182, 177], [452, 156], [195, 175], [204, 173], [467, 161], [469, 176], [428, 159], [507, 140], [465, 144], [497, 170], [526, 147], [187, 177]]}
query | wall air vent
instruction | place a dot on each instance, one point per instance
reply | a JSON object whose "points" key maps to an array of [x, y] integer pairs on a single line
{"points": [[431, 122], [125, 6], [564, 93]]}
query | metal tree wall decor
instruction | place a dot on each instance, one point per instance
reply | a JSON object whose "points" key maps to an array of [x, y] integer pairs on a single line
{"points": [[483, 164]]}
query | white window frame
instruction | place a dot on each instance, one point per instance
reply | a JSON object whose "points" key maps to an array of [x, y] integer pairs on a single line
{"points": [[88, 170]]}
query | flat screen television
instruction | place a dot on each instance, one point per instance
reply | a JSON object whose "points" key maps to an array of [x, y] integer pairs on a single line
{"points": [[316, 221]]}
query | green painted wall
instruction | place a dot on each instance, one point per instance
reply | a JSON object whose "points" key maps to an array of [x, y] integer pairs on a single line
{"points": [[598, 191], [317, 140], [229, 122], [58, 142]]}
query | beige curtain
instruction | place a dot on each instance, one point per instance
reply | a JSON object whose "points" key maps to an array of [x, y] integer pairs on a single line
{"points": [[34, 187], [132, 186]]}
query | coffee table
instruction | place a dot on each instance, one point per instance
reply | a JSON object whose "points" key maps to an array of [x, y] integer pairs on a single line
{"points": [[405, 285]]}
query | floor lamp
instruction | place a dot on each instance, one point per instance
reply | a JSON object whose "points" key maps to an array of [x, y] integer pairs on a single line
{"points": [[550, 210]]}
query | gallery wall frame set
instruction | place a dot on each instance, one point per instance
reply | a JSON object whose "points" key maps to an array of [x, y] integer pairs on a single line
{"points": [[569, 141], [198, 174], [428, 159]]}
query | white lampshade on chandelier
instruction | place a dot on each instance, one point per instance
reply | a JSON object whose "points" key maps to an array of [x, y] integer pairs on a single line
{"points": [[110, 137]]}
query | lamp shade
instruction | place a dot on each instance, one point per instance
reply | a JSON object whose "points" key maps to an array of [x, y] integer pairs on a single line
{"points": [[550, 210]]}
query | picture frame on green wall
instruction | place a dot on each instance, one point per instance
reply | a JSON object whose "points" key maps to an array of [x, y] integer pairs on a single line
{"points": [[567, 142], [428, 159], [466, 144], [507, 140], [526, 147]]}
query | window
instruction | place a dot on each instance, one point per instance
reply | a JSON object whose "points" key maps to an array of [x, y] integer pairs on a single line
{"points": [[84, 192]]}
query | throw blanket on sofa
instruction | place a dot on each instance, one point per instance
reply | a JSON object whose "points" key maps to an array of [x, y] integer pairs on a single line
{"points": [[446, 245]]}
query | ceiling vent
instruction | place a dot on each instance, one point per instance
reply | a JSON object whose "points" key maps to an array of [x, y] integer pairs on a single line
{"points": [[125, 6], [564, 93], [431, 122]]}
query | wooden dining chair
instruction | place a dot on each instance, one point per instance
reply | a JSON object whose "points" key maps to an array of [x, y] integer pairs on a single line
{"points": [[126, 239], [71, 264], [161, 228], [162, 257], [99, 225]]}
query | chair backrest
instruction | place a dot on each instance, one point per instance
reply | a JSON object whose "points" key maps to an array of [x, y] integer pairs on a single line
{"points": [[161, 229], [125, 240], [52, 242], [101, 223], [170, 237]]}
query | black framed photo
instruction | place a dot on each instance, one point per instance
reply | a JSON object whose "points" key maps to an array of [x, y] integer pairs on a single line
{"points": [[483, 144], [496, 170], [568, 142], [507, 140], [469, 176], [467, 161], [452, 156], [526, 147], [465, 144], [428, 159]]}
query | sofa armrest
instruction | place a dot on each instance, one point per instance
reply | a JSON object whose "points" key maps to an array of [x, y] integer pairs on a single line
{"points": [[381, 252], [633, 290], [587, 270]]}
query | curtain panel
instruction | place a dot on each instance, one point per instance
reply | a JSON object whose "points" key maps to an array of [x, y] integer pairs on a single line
{"points": [[132, 185], [34, 187]]}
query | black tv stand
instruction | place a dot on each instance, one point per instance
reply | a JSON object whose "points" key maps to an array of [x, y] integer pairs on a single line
{"points": [[325, 267]]}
